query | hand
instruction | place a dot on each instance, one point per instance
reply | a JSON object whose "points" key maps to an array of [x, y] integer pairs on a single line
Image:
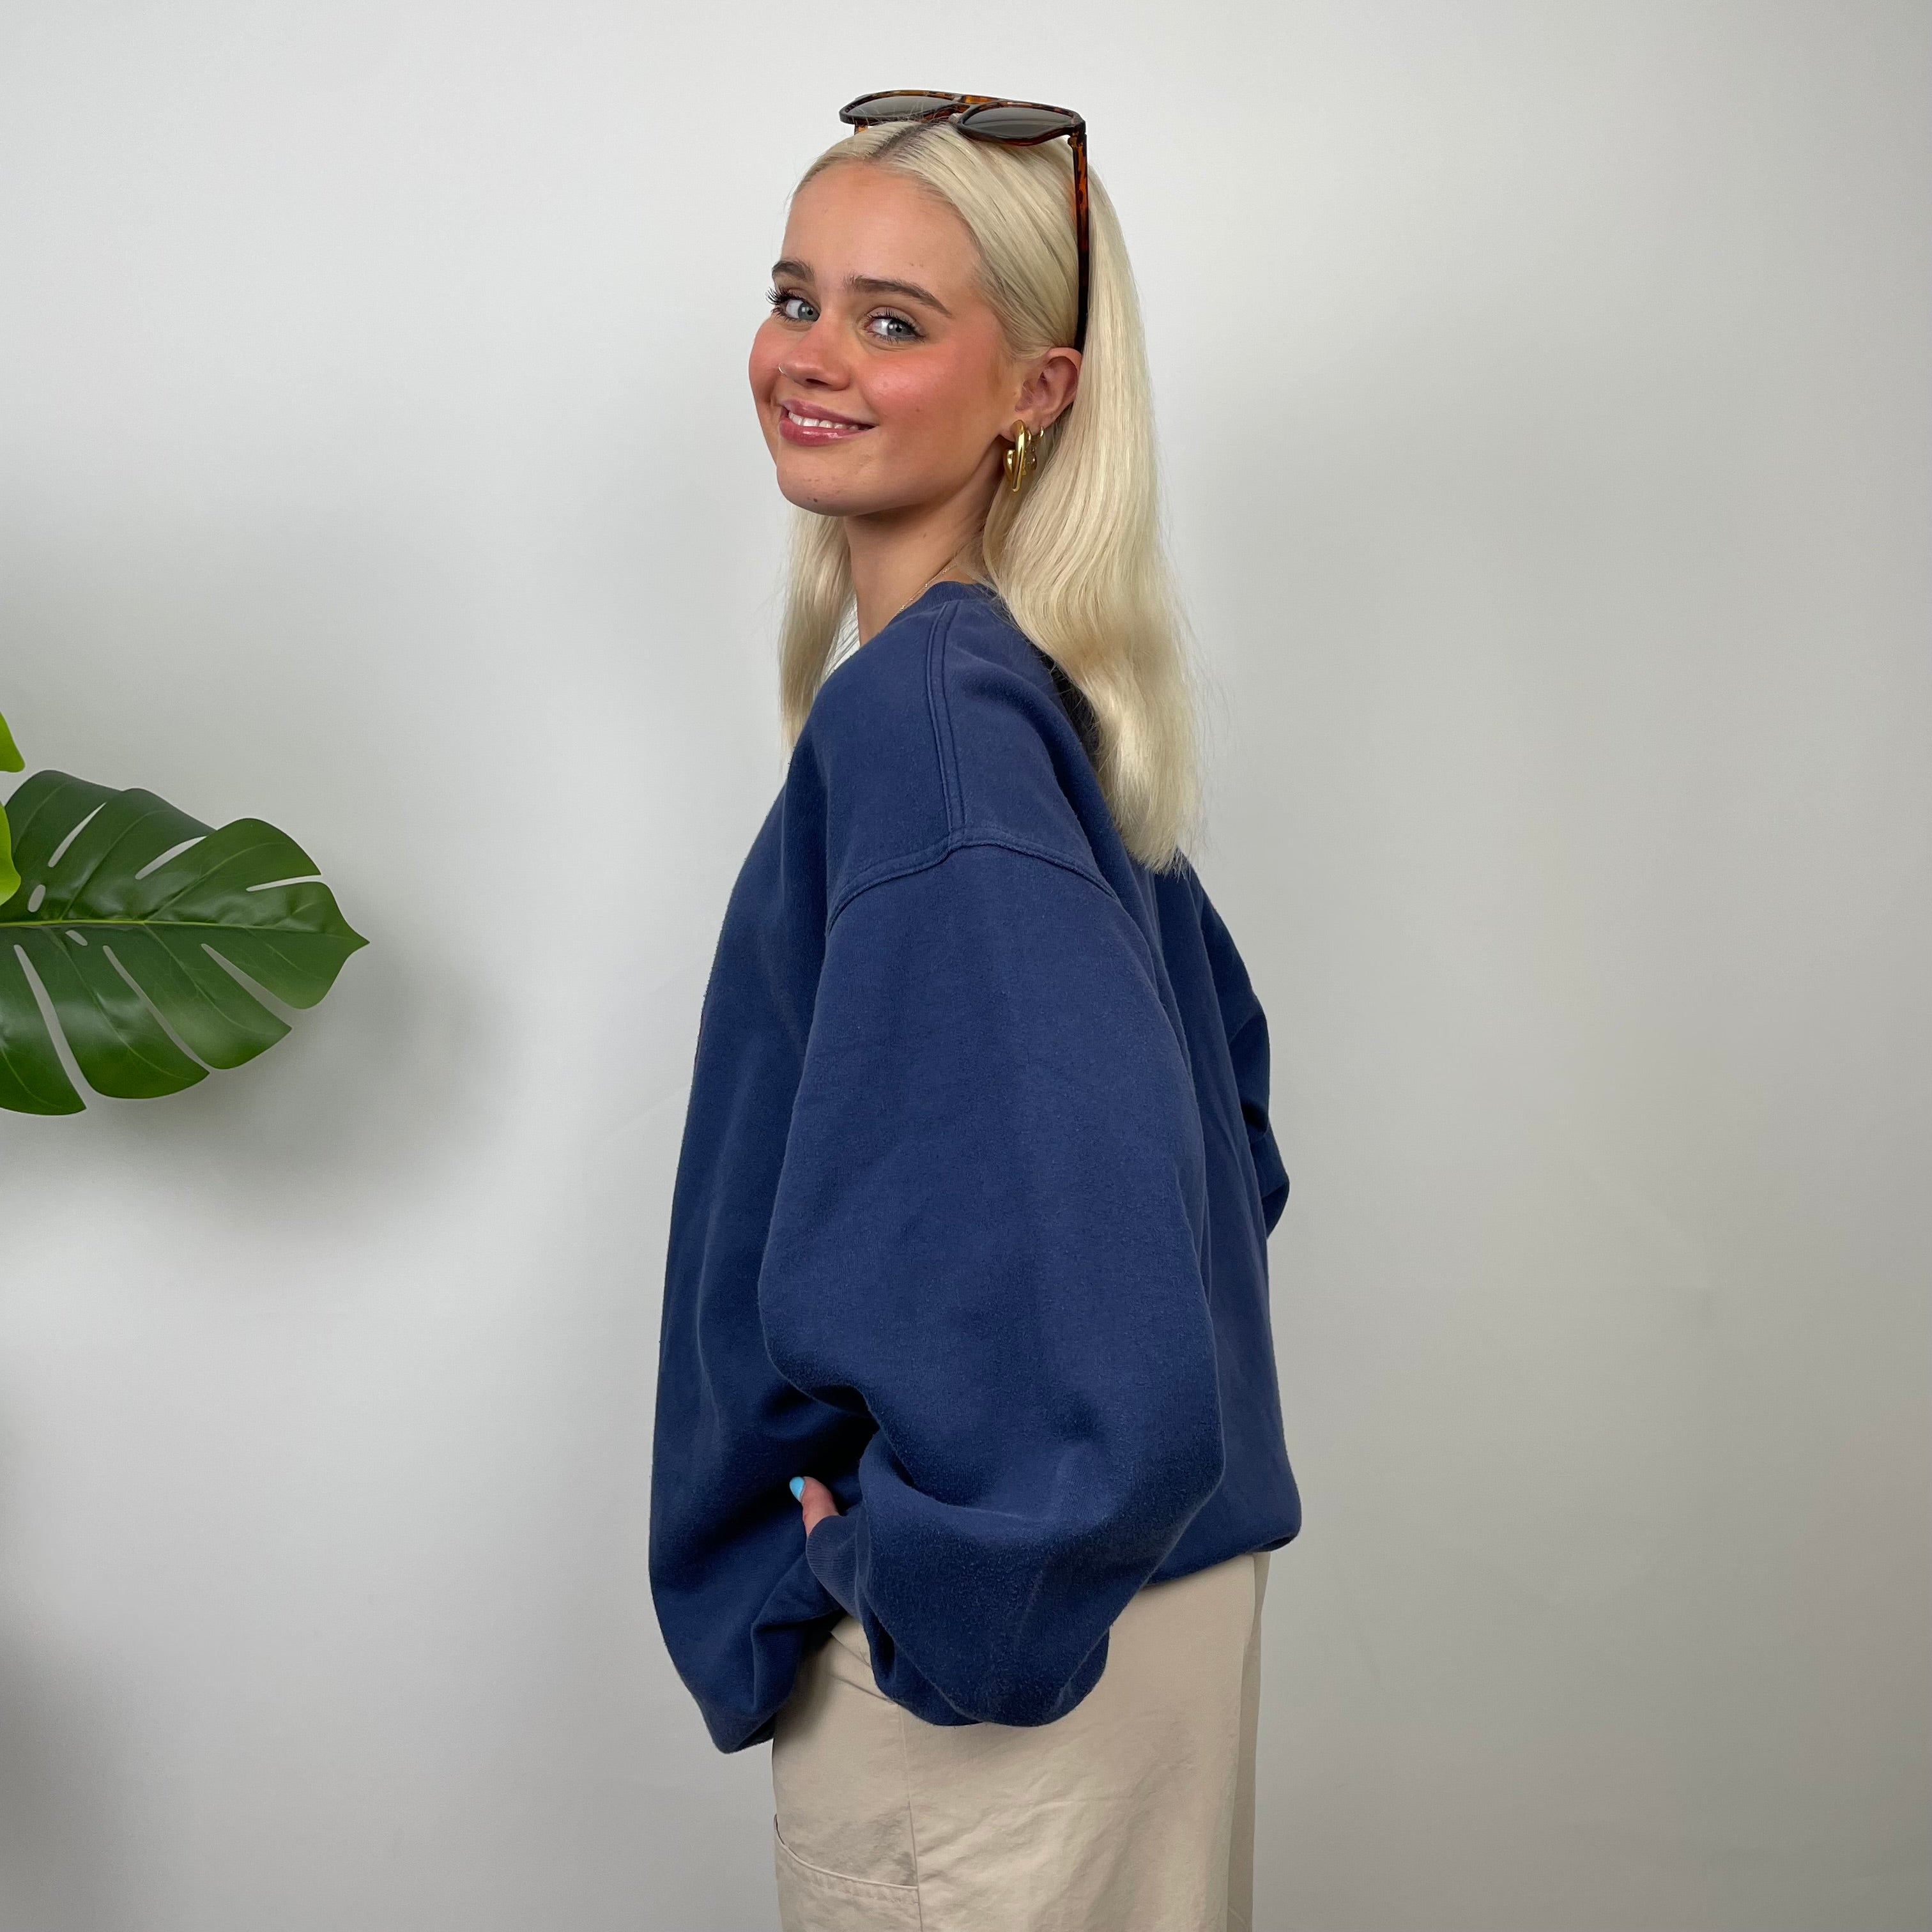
{"points": [[815, 1500]]}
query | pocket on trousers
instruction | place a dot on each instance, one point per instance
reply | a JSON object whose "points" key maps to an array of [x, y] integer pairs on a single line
{"points": [[811, 1899]]}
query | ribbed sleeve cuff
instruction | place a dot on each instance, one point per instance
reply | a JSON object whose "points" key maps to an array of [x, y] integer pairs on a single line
{"points": [[832, 1550]]}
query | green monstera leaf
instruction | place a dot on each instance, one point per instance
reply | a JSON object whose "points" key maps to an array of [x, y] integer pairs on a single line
{"points": [[9, 761], [130, 914]]}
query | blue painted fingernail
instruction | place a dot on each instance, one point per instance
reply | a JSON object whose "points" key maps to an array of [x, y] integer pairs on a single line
{"points": [[798, 1487]]}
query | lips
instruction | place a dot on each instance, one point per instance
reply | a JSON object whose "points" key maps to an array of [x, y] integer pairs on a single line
{"points": [[818, 425]]}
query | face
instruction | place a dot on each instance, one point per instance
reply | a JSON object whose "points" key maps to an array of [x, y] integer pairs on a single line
{"points": [[882, 379]]}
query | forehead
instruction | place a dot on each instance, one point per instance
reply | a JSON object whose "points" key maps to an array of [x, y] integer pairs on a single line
{"points": [[855, 219]]}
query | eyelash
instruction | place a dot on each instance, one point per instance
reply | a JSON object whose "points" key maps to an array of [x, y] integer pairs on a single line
{"points": [[777, 298]]}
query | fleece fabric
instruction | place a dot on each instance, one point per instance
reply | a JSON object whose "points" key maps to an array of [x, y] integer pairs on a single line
{"points": [[970, 1219]]}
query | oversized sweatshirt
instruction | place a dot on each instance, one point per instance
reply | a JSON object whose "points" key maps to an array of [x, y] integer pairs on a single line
{"points": [[971, 1215]]}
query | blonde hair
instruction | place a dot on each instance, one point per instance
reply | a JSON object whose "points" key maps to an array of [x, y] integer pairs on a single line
{"points": [[1078, 557]]}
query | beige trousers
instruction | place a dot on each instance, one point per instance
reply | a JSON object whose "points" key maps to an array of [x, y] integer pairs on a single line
{"points": [[1134, 1813]]}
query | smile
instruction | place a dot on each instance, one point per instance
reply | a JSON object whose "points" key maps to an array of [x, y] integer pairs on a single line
{"points": [[799, 427]]}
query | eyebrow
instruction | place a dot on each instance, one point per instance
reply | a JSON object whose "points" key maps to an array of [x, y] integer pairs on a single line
{"points": [[871, 285]]}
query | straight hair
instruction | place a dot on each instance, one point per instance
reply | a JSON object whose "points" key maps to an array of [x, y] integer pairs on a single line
{"points": [[1078, 558]]}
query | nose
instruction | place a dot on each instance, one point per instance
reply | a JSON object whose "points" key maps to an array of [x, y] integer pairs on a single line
{"points": [[812, 359]]}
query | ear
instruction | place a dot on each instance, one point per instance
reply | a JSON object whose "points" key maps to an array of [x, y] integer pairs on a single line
{"points": [[1048, 386]]}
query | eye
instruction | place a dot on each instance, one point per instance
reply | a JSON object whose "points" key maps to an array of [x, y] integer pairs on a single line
{"points": [[782, 299], [896, 329]]}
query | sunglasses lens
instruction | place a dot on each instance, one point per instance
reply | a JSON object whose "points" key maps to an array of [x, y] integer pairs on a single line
{"points": [[896, 107], [1017, 124]]}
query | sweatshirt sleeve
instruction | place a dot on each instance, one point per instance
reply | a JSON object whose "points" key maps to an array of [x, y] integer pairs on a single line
{"points": [[985, 1239], [1247, 1028]]}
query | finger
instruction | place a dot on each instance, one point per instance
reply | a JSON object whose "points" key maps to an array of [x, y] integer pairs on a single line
{"points": [[816, 1500]]}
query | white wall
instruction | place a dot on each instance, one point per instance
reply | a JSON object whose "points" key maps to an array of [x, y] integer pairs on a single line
{"points": [[1544, 393]]}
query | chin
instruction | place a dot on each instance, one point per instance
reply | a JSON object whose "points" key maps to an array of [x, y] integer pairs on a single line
{"points": [[830, 496], [827, 503]]}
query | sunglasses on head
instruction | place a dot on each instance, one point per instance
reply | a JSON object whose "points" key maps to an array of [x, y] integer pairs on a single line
{"points": [[983, 117]]}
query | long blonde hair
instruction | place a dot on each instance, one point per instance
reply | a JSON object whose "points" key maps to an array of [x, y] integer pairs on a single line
{"points": [[1078, 557]]}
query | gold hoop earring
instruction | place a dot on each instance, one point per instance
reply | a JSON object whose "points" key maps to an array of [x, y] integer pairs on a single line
{"points": [[1022, 458]]}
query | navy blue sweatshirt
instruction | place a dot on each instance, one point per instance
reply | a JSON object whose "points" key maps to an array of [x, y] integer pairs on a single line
{"points": [[971, 1217]]}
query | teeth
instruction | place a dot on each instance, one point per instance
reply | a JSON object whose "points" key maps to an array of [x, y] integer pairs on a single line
{"points": [[819, 422]]}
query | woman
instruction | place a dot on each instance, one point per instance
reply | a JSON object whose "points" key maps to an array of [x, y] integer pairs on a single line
{"points": [[968, 1243]]}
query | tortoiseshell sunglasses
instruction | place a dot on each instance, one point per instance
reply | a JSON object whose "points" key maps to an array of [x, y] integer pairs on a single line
{"points": [[984, 117]]}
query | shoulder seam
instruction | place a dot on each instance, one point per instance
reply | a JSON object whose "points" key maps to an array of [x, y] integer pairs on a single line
{"points": [[905, 864], [943, 746]]}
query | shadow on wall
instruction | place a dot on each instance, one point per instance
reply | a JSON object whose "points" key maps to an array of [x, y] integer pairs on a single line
{"points": [[356, 1109]]}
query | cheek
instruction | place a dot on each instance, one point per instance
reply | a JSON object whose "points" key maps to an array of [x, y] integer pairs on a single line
{"points": [[943, 397], [767, 352]]}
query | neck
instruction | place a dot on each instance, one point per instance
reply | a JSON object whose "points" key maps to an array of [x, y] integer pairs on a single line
{"points": [[897, 554]]}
